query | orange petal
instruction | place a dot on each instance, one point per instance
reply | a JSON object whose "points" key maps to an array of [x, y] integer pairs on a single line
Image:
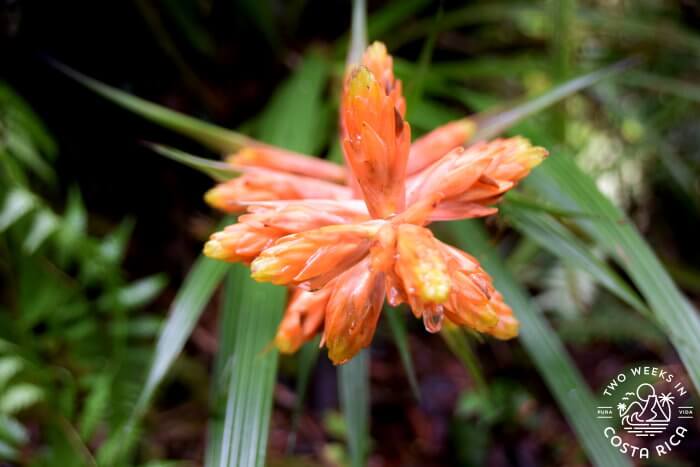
{"points": [[353, 311], [421, 267], [434, 145], [479, 175], [267, 185], [287, 161], [299, 216], [381, 65], [376, 142], [514, 158], [507, 326], [474, 302], [241, 242], [314, 257], [265, 224], [302, 319], [450, 177]]}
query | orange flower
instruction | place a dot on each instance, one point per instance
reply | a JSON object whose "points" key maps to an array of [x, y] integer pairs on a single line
{"points": [[287, 161], [347, 239], [262, 184]]}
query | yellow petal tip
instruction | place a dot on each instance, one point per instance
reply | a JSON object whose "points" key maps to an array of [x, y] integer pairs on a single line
{"points": [[360, 81], [434, 285], [265, 268], [246, 156], [212, 197], [214, 249]]}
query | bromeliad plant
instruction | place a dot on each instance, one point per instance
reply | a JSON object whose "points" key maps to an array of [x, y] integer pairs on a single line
{"points": [[346, 239], [244, 380]]}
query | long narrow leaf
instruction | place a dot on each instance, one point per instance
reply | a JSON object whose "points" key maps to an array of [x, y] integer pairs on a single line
{"points": [[384, 20], [353, 384], [202, 280], [491, 123], [663, 84], [358, 35], [211, 135], [544, 347], [397, 323], [222, 370], [308, 356], [247, 363], [253, 367], [219, 171], [456, 340], [555, 238], [560, 179]]}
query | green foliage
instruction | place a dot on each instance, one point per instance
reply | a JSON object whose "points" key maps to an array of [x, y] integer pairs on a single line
{"points": [[397, 323], [70, 341], [544, 347], [563, 218], [353, 383]]}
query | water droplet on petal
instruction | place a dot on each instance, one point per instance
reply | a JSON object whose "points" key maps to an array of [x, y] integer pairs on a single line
{"points": [[432, 318]]}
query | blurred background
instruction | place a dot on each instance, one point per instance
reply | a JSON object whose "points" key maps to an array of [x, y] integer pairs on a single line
{"points": [[98, 233]]}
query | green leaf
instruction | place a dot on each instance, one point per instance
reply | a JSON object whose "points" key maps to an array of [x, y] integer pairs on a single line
{"points": [[210, 135], [394, 14], [456, 340], [45, 223], [544, 347], [19, 143], [414, 91], [7, 451], [72, 227], [554, 237], [358, 35], [662, 84], [426, 115], [521, 201], [251, 316], [188, 18], [262, 14], [397, 323], [629, 27], [470, 15], [19, 112], [493, 123], [18, 202], [139, 293], [193, 296], [353, 386], [199, 285], [10, 366], [487, 66], [246, 365], [12, 431], [295, 117], [308, 355], [19, 397], [381, 21], [559, 179], [113, 246], [219, 171], [222, 364], [96, 404]]}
